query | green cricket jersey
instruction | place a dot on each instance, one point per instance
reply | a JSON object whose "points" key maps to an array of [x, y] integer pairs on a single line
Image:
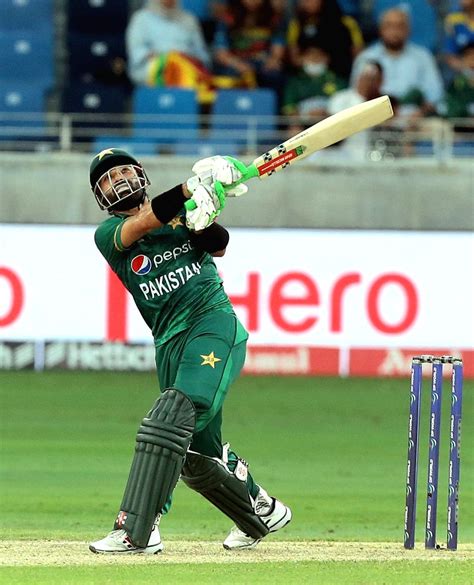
{"points": [[460, 97], [171, 282], [304, 92]]}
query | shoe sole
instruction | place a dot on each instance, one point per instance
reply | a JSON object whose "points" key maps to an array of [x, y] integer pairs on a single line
{"points": [[143, 551], [243, 547]]}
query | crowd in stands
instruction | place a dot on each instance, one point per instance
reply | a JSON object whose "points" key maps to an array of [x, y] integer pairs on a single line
{"points": [[316, 56], [310, 52]]}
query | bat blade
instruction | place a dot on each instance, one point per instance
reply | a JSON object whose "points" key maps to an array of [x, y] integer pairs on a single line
{"points": [[322, 134]]}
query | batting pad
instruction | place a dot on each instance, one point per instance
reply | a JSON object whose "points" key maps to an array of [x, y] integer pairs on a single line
{"points": [[162, 441], [211, 478]]}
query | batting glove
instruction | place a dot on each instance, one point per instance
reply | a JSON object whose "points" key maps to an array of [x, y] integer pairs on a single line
{"points": [[206, 208]]}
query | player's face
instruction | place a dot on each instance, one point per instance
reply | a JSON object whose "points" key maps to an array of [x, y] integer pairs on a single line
{"points": [[115, 176], [124, 182]]}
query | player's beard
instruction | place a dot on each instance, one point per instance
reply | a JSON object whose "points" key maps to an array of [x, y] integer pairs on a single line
{"points": [[128, 194]]}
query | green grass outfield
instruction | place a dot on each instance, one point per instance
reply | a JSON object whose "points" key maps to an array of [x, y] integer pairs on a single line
{"points": [[333, 449]]}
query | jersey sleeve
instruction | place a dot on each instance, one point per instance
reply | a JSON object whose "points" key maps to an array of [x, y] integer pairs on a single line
{"points": [[107, 238]]}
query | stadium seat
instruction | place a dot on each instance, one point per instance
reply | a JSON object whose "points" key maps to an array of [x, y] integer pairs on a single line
{"points": [[20, 96], [22, 117], [26, 56], [26, 15], [90, 54], [97, 107], [165, 115], [245, 117], [97, 16], [93, 98], [422, 15], [464, 149]]}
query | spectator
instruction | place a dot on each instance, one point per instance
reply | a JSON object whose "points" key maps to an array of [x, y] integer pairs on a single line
{"points": [[115, 73], [459, 33], [410, 71], [459, 104], [367, 85], [460, 94], [423, 19], [165, 46], [250, 45], [307, 93], [321, 22]]}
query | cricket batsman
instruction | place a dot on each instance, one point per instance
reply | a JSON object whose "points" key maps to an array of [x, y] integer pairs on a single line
{"points": [[163, 253]]}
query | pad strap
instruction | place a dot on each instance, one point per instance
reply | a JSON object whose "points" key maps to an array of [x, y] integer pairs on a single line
{"points": [[212, 479], [162, 441]]}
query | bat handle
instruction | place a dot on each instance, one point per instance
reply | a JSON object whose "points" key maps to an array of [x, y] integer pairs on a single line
{"points": [[247, 173]]}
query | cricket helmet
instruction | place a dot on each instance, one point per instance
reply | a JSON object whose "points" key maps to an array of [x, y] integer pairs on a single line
{"points": [[120, 190]]}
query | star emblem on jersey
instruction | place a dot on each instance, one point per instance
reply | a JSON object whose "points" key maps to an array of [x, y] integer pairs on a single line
{"points": [[210, 360], [102, 153], [175, 222]]}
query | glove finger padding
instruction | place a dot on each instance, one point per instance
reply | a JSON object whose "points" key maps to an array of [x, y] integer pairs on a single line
{"points": [[200, 218], [207, 208], [204, 166], [203, 173], [225, 171]]}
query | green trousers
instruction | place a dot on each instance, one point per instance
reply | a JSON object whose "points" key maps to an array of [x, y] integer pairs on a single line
{"points": [[203, 362]]}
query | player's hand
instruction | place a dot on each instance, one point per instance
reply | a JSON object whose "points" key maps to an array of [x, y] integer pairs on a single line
{"points": [[236, 190], [225, 169], [219, 172], [206, 208]]}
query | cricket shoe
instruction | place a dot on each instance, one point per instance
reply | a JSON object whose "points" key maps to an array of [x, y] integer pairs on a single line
{"points": [[273, 513], [118, 542]]}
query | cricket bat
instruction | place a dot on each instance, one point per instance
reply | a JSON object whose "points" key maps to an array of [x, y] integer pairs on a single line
{"points": [[320, 135], [316, 137]]}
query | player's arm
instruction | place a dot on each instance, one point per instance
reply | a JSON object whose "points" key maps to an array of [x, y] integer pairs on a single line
{"points": [[153, 214], [201, 188]]}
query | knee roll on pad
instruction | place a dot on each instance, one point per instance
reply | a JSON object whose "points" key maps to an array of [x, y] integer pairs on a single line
{"points": [[161, 444], [212, 479]]}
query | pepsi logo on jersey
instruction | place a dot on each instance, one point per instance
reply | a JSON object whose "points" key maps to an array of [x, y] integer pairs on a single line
{"points": [[141, 264]]}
